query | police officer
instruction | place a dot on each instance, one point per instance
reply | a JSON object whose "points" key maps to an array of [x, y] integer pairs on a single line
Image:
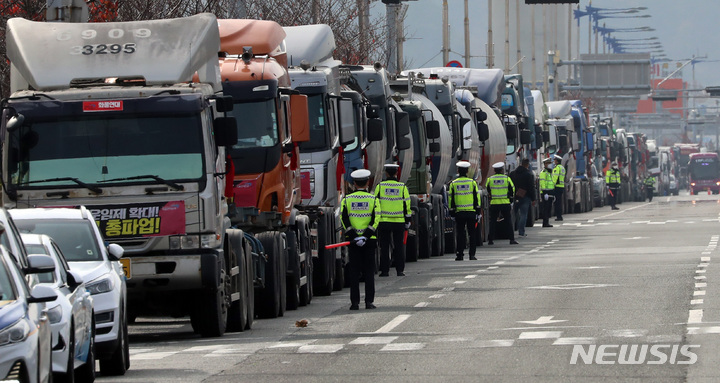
{"points": [[501, 191], [360, 213], [547, 192], [395, 215], [464, 199], [649, 183], [612, 179], [558, 174]]}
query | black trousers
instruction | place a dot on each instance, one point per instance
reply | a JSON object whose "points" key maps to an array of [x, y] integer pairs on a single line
{"points": [[612, 195], [495, 211], [559, 202], [465, 220], [362, 260], [391, 232], [650, 191], [546, 206]]}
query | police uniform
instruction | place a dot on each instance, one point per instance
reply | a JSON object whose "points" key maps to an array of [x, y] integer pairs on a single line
{"points": [[558, 174], [464, 200], [649, 186], [395, 215], [612, 179], [360, 215], [501, 190], [547, 193]]}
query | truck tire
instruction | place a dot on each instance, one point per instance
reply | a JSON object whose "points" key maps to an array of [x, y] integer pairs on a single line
{"points": [[324, 264], [215, 304], [268, 299], [438, 245], [339, 275], [425, 237], [292, 278], [237, 314], [411, 247], [304, 240], [250, 285]]}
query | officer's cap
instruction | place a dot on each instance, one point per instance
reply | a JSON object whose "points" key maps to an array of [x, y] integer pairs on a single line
{"points": [[547, 160], [360, 175], [463, 164], [391, 166], [498, 165], [614, 163], [558, 157]]}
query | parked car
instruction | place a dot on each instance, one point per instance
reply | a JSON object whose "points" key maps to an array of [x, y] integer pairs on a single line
{"points": [[10, 238], [25, 335], [674, 188], [599, 187], [79, 239], [71, 315]]}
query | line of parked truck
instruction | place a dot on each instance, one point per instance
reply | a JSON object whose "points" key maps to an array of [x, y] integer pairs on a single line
{"points": [[216, 152]]}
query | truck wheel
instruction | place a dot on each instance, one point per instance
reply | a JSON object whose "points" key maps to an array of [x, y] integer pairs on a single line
{"points": [[438, 228], [324, 267], [411, 247], [293, 273], [425, 243], [268, 299], [250, 285], [214, 305], [339, 275], [304, 241], [237, 315]]}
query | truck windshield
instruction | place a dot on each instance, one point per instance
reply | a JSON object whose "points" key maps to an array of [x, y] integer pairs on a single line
{"points": [[97, 148], [704, 169], [318, 125], [256, 124]]}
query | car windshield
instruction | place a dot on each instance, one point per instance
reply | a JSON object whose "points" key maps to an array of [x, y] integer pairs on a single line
{"points": [[257, 124], [7, 293], [48, 277], [96, 149], [75, 237]]}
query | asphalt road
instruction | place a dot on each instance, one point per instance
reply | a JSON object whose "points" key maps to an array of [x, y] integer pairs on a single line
{"points": [[628, 295]]}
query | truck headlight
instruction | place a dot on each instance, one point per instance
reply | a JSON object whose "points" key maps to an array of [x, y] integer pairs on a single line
{"points": [[185, 242], [55, 314], [100, 286], [210, 241], [17, 332]]}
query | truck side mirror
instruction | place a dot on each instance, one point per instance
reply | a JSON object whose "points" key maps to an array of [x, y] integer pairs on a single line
{"points": [[403, 143], [432, 129], [225, 130], [525, 137], [483, 131], [347, 121], [545, 136], [480, 115], [466, 129], [15, 122], [375, 130], [434, 147], [371, 111], [563, 141], [299, 118], [402, 124], [511, 132], [224, 104]]}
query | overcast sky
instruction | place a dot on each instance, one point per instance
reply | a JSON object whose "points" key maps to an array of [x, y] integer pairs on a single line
{"points": [[685, 27]]}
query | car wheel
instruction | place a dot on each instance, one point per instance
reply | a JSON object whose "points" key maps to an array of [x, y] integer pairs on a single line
{"points": [[118, 363], [69, 375], [86, 372]]}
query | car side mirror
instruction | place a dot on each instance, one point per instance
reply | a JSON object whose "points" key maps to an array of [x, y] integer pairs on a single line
{"points": [[74, 279], [38, 264], [116, 251], [42, 294]]}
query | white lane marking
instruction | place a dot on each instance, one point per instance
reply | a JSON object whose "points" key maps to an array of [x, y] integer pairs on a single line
{"points": [[153, 355], [572, 341], [570, 286], [698, 293], [706, 253], [422, 304], [700, 277], [629, 333], [550, 243], [134, 351], [634, 238], [513, 257], [671, 221], [590, 267], [471, 276], [704, 259], [500, 262], [656, 223], [403, 347], [495, 343], [543, 320], [540, 334], [700, 285], [533, 251], [251, 348], [447, 289], [393, 323], [703, 330], [492, 267], [450, 339], [204, 348], [703, 265], [374, 340], [480, 271], [436, 296], [591, 221], [293, 344], [696, 301], [695, 316], [641, 221], [459, 282], [700, 271], [320, 349], [664, 339]]}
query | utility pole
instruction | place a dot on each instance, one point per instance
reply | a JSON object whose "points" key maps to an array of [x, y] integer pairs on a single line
{"points": [[517, 37], [391, 7], [589, 28], [400, 28], [507, 36], [363, 23], [315, 11], [569, 32], [534, 70], [445, 33], [68, 11], [467, 36], [545, 50], [490, 45]]}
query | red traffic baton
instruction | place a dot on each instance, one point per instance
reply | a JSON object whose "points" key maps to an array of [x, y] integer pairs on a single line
{"points": [[335, 245], [405, 237]]}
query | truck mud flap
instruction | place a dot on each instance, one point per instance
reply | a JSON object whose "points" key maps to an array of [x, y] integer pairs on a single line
{"points": [[210, 275]]}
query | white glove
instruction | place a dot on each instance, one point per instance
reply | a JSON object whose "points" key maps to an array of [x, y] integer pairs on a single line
{"points": [[478, 217], [547, 197], [360, 241], [407, 225]]}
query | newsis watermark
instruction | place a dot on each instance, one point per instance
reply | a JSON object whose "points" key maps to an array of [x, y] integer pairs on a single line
{"points": [[634, 354]]}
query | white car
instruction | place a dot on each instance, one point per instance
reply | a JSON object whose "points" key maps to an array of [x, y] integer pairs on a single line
{"points": [[71, 315], [78, 236], [25, 335]]}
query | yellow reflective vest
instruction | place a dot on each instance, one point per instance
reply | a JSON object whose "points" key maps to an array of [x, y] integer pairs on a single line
{"points": [[650, 181], [360, 214], [394, 200], [464, 194], [612, 177], [501, 189], [546, 180], [558, 174]]}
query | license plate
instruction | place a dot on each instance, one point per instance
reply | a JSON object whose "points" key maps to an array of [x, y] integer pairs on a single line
{"points": [[125, 262]]}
